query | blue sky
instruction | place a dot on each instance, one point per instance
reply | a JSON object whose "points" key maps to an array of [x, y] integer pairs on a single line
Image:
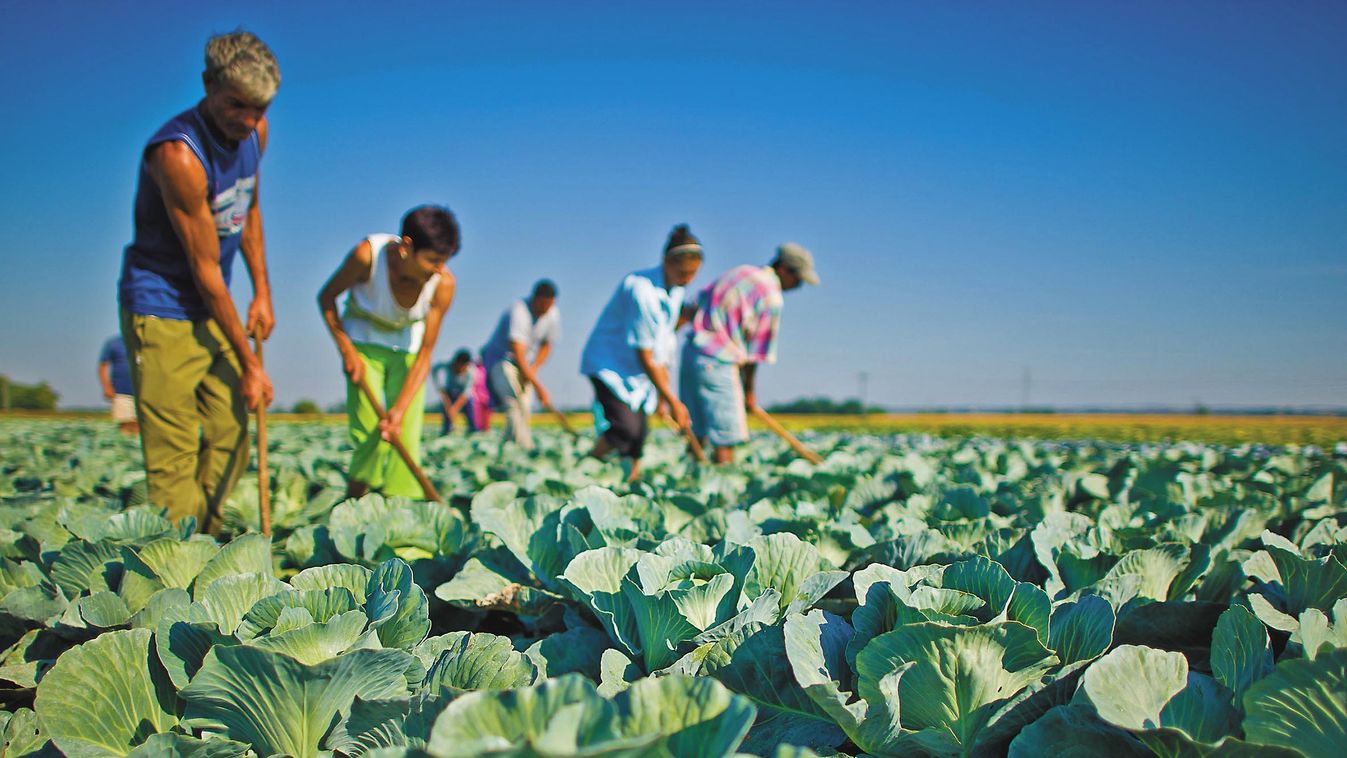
{"points": [[1133, 202]]}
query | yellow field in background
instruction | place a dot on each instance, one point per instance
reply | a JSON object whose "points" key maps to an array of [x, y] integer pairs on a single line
{"points": [[1120, 427]]}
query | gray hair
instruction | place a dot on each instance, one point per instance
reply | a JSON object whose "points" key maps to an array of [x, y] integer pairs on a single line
{"points": [[242, 61]]}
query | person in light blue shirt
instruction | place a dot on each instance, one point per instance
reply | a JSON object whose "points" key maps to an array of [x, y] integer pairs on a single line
{"points": [[619, 356]]}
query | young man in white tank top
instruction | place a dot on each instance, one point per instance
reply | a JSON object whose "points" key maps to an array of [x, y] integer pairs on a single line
{"points": [[398, 291]]}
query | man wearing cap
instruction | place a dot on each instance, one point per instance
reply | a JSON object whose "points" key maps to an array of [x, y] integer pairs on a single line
{"points": [[735, 329]]}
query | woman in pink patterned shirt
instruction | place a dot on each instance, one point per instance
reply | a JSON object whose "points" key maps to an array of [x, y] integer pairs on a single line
{"points": [[735, 329]]}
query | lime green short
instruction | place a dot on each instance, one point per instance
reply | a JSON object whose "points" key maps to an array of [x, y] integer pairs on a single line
{"points": [[374, 461]]}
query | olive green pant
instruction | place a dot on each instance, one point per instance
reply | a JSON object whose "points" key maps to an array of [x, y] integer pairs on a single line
{"points": [[193, 420], [375, 462]]}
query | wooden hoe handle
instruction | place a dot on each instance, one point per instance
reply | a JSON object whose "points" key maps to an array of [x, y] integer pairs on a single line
{"points": [[693, 443], [263, 478], [426, 486], [785, 434]]}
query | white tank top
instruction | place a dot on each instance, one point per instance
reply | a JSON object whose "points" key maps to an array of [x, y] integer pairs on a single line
{"points": [[373, 316]]}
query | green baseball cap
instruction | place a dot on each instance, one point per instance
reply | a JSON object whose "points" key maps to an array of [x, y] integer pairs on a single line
{"points": [[799, 260]]}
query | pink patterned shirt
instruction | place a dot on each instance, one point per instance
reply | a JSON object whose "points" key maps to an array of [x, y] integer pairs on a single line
{"points": [[739, 316]]}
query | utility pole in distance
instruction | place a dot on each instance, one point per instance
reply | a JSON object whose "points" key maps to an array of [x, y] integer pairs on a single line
{"points": [[863, 380]]}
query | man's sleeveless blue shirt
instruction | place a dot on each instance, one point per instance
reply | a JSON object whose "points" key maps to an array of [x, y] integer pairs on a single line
{"points": [[156, 278]]}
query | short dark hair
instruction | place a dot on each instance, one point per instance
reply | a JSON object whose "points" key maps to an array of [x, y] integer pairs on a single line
{"points": [[545, 288], [462, 356], [431, 227]]}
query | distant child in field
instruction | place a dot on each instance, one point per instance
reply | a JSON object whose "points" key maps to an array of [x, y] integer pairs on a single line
{"points": [[620, 357], [461, 383], [398, 292]]}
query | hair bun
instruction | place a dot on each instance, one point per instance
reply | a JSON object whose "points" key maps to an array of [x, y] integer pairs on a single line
{"points": [[681, 235]]}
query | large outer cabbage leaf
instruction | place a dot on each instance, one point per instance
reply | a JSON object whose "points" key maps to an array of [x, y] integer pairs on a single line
{"points": [[1301, 705], [748, 661], [791, 566], [816, 645], [1082, 630], [277, 704], [1131, 685], [595, 577], [954, 676], [1241, 652], [396, 606], [697, 717], [311, 642], [530, 527], [579, 649], [353, 577], [479, 661], [229, 598], [1073, 731], [106, 696], [176, 563], [562, 716], [249, 554]]}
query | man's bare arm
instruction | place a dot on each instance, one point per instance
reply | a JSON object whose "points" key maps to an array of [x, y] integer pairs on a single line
{"points": [[528, 373], [252, 245], [659, 376], [182, 184], [456, 405], [544, 350], [354, 268]]}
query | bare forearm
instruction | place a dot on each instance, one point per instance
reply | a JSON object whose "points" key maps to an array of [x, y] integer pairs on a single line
{"points": [[543, 351], [527, 375], [420, 369], [254, 253], [659, 376], [334, 327], [210, 283], [456, 405], [182, 183], [416, 376]]}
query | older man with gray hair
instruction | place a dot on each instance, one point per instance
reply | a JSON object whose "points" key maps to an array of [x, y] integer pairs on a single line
{"points": [[195, 209]]}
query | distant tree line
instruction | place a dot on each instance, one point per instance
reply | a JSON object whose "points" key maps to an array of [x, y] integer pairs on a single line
{"points": [[824, 405], [28, 397]]}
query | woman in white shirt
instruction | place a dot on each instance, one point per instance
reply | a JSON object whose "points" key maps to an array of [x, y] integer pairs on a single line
{"points": [[399, 290]]}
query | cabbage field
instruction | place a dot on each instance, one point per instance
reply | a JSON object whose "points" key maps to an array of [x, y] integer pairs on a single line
{"points": [[911, 595]]}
